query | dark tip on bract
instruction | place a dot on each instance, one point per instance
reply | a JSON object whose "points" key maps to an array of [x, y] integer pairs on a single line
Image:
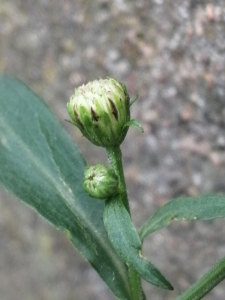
{"points": [[79, 123], [114, 110], [94, 116]]}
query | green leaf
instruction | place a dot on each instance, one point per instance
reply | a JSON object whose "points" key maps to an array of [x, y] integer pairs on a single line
{"points": [[201, 208], [206, 283], [134, 99], [126, 242], [40, 164], [134, 123]]}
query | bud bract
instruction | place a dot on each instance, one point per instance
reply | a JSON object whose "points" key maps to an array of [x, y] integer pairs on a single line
{"points": [[100, 109], [100, 181]]}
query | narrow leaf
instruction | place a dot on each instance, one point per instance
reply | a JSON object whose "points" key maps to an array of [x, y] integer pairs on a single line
{"points": [[201, 208], [40, 164], [134, 123], [206, 283], [134, 99], [127, 244]]}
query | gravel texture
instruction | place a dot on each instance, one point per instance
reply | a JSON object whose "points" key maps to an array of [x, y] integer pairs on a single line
{"points": [[172, 54]]}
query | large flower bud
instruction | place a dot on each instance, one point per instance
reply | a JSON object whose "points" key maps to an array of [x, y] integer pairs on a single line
{"points": [[100, 181], [100, 109]]}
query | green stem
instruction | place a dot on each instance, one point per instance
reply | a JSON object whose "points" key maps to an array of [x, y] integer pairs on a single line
{"points": [[135, 282], [206, 283], [115, 160]]}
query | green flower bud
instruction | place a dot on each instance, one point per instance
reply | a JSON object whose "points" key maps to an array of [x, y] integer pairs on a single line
{"points": [[100, 181], [101, 109]]}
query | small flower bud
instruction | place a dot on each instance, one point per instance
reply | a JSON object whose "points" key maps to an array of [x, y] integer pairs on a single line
{"points": [[101, 109], [100, 181]]}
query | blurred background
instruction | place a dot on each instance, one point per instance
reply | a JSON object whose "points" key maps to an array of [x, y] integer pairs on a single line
{"points": [[170, 52]]}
